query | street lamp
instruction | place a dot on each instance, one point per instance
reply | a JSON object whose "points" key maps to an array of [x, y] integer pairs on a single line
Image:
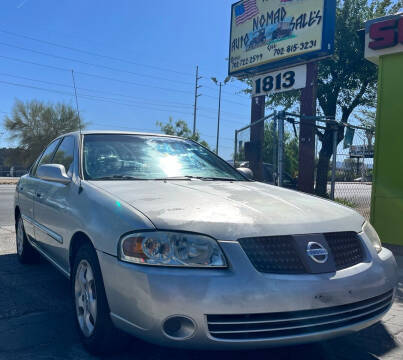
{"points": [[220, 84]]}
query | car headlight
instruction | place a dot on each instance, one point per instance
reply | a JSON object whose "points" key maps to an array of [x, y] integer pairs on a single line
{"points": [[167, 248], [372, 235]]}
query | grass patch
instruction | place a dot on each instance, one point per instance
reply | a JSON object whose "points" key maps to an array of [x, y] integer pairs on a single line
{"points": [[345, 202]]}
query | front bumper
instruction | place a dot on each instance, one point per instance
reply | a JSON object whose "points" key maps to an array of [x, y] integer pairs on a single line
{"points": [[141, 298]]}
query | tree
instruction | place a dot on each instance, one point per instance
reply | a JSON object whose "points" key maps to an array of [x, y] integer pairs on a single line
{"points": [[290, 149], [367, 118], [35, 124], [180, 128], [270, 147], [346, 81]]}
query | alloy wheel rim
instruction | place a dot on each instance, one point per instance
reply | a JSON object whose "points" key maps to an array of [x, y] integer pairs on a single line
{"points": [[85, 298], [20, 237]]}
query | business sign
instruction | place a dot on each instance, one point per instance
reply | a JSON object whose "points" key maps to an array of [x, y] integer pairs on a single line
{"points": [[273, 34], [361, 151], [383, 36], [280, 81]]}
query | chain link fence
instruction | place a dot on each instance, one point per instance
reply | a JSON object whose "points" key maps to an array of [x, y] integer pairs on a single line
{"points": [[354, 168], [349, 177]]}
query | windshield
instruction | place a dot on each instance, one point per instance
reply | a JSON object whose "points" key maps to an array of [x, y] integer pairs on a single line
{"points": [[131, 157]]}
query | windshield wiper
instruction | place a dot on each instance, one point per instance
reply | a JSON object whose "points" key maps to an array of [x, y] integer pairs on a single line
{"points": [[189, 177], [175, 178], [117, 177], [212, 178]]}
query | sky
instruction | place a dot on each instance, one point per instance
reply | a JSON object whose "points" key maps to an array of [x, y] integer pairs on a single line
{"points": [[136, 63]]}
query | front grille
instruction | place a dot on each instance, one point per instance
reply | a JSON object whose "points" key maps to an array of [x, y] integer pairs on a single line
{"points": [[279, 254], [275, 254], [346, 249], [273, 325]]}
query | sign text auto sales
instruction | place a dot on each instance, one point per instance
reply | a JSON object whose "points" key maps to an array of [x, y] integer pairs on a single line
{"points": [[265, 31], [275, 17]]}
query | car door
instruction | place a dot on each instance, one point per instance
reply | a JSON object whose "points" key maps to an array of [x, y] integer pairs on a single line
{"points": [[27, 190], [52, 208]]}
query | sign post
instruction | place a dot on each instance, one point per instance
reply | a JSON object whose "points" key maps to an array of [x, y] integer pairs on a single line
{"points": [[257, 136], [271, 41], [384, 46], [306, 154]]}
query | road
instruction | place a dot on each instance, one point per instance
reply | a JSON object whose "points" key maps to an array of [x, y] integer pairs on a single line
{"points": [[6, 204], [36, 321]]}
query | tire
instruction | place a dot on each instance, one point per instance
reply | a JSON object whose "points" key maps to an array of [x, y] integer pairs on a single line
{"points": [[91, 308], [25, 252]]}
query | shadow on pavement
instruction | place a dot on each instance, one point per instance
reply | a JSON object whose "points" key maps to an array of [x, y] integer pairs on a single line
{"points": [[37, 321]]}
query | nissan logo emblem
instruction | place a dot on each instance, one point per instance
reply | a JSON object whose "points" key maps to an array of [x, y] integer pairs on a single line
{"points": [[317, 252]]}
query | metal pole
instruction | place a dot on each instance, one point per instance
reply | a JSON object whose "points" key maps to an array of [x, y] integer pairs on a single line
{"points": [[363, 163], [235, 147], [333, 183], [275, 148], [280, 148], [218, 120]]}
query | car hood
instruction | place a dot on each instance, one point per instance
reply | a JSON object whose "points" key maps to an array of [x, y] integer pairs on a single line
{"points": [[232, 210]]}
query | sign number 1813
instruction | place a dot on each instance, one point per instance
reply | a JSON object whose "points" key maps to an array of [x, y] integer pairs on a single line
{"points": [[279, 81], [285, 80]]}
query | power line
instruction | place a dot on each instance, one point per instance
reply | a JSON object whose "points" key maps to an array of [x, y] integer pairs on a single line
{"points": [[94, 53], [174, 105], [105, 57], [225, 92], [109, 78], [92, 64], [229, 101], [95, 75], [96, 91], [223, 112], [89, 97], [225, 120]]}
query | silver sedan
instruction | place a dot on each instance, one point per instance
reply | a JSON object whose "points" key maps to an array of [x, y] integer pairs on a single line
{"points": [[165, 241]]}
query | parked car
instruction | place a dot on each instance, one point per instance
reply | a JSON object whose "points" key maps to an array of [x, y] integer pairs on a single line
{"points": [[270, 177], [164, 240]]}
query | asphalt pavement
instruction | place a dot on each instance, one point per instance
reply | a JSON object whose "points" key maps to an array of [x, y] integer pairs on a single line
{"points": [[6, 204], [37, 319]]}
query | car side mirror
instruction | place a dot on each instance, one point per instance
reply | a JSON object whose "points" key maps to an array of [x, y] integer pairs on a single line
{"points": [[246, 172], [53, 172]]}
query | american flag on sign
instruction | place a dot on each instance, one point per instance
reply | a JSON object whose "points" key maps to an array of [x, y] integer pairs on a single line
{"points": [[246, 10]]}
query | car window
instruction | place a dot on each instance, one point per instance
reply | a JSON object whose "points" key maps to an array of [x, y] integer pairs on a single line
{"points": [[151, 157], [46, 156], [65, 154]]}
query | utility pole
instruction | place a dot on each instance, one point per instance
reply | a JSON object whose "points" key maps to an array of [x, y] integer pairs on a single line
{"points": [[220, 84], [218, 118], [197, 87], [306, 168]]}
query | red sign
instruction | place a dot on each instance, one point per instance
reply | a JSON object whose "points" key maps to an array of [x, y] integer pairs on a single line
{"points": [[386, 34]]}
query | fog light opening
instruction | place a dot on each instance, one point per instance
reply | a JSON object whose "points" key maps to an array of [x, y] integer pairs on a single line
{"points": [[179, 327]]}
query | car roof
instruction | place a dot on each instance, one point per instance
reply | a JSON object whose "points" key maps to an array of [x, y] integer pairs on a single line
{"points": [[117, 132]]}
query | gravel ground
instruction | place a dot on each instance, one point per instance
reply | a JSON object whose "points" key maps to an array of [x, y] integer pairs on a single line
{"points": [[8, 181]]}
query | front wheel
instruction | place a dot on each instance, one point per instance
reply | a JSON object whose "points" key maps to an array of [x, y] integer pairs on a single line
{"points": [[97, 332], [25, 252]]}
